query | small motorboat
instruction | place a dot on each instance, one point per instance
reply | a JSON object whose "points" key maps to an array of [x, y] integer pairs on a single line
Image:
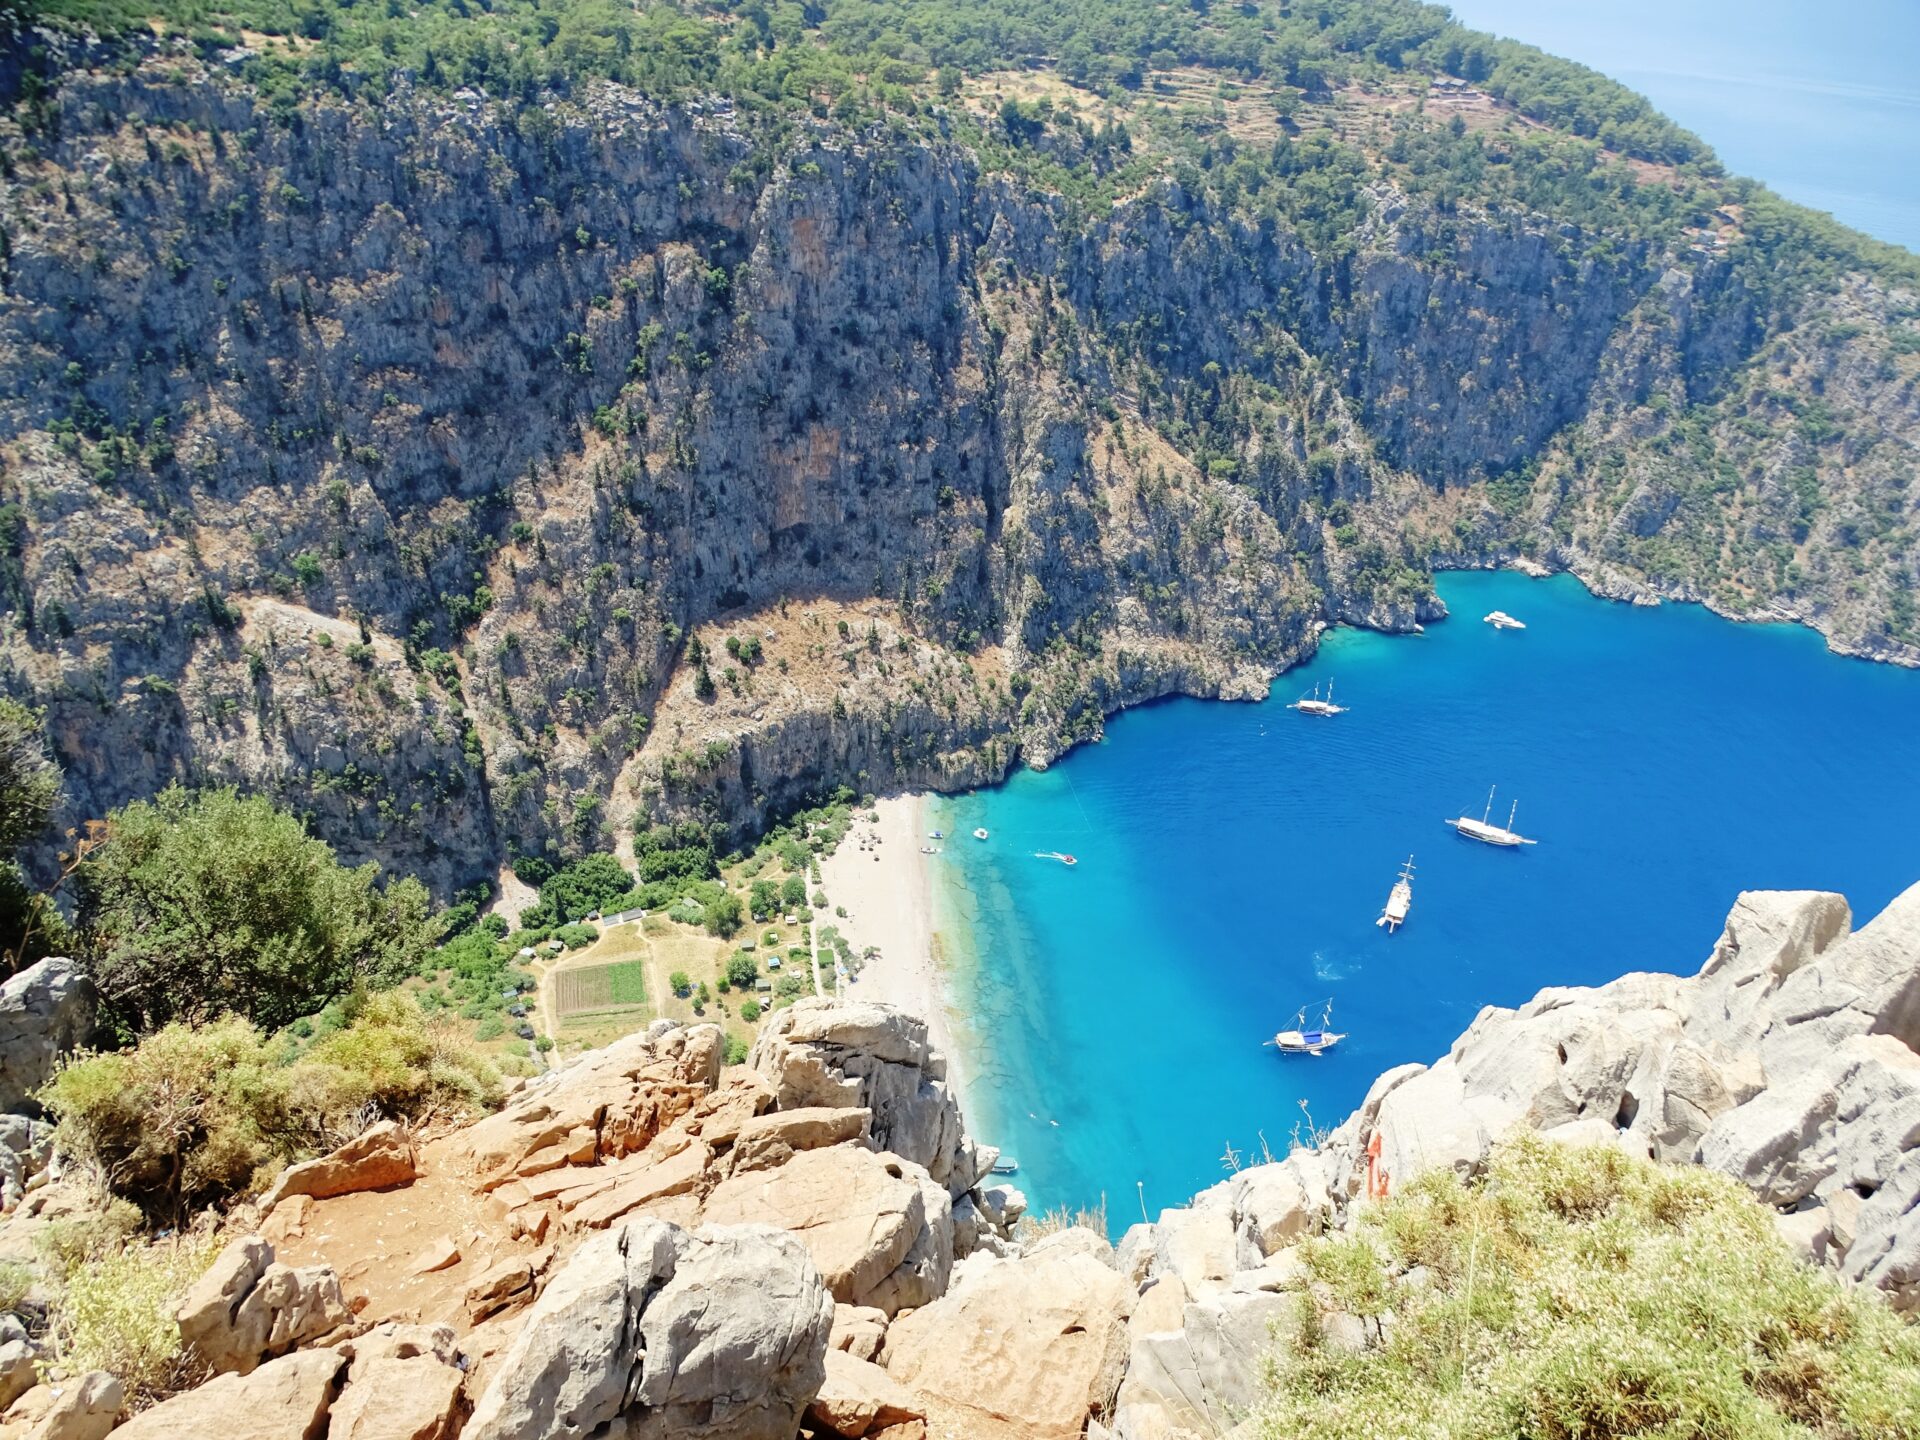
{"points": [[1060, 855], [1006, 1165], [981, 833], [1300, 1040]]}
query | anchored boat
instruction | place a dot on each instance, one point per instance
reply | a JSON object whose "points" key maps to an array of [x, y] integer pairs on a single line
{"points": [[1500, 620], [1312, 704], [981, 833], [1485, 831], [1302, 1041], [1399, 899]]}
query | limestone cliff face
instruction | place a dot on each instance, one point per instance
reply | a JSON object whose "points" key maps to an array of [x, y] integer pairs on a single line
{"points": [[390, 460]]}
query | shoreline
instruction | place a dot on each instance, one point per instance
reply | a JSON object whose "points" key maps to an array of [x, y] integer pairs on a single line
{"points": [[887, 887]]}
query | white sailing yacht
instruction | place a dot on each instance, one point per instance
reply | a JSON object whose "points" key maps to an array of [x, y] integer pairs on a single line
{"points": [[1312, 704], [1399, 899], [1488, 833], [1301, 1041]]}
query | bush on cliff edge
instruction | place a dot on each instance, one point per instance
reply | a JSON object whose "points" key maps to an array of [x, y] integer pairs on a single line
{"points": [[1582, 1295], [194, 1114]]}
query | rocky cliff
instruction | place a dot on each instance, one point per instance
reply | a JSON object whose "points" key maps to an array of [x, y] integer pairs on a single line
{"points": [[392, 458]]}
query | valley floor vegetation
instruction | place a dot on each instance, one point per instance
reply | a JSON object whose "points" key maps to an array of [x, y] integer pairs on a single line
{"points": [[1581, 1294]]}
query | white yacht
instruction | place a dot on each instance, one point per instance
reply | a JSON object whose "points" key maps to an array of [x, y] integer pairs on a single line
{"points": [[1302, 1041], [1488, 833], [1312, 704], [1500, 620], [1399, 899]]}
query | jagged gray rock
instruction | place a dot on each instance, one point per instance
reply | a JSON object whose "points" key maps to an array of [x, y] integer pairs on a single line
{"points": [[46, 1010], [653, 1332], [248, 1308]]}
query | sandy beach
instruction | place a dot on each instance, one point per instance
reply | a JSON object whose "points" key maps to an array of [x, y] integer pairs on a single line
{"points": [[886, 885]]}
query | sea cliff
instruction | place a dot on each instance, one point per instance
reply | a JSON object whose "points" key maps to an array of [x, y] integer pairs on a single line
{"points": [[405, 462]]}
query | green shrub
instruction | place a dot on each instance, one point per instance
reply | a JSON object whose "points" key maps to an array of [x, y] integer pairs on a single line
{"points": [[725, 915], [115, 1310], [749, 1010], [742, 970], [1585, 1295], [680, 983], [198, 905], [194, 1114]]}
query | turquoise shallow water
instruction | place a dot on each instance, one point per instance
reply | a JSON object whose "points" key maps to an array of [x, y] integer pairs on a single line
{"points": [[1233, 858]]}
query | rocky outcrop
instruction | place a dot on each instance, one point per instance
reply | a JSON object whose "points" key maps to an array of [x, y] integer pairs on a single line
{"points": [[610, 1104], [657, 1332], [247, 1308], [287, 1399], [864, 1217], [854, 1053], [857, 1397], [1037, 1343], [379, 1158], [45, 1011]]}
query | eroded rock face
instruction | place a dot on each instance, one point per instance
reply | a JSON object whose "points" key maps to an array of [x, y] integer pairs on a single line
{"points": [[862, 1216], [286, 1399], [608, 1104], [664, 1334], [45, 1011], [844, 1054]]}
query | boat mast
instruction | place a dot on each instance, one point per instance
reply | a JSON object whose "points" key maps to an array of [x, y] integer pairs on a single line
{"points": [[1511, 813], [1485, 814]]}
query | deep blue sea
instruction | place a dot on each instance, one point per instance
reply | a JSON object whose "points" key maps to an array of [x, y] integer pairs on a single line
{"points": [[1232, 858], [1819, 98]]}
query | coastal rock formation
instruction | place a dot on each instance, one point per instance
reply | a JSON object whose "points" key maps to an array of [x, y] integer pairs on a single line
{"points": [[848, 1053], [1032, 1346], [46, 1011], [517, 397]]}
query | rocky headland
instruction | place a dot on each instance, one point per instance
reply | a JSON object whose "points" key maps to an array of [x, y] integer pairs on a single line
{"points": [[647, 1243]]}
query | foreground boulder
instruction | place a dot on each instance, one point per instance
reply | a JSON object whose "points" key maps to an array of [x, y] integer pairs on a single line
{"points": [[287, 1399], [878, 1228], [247, 1308], [1037, 1344], [379, 1158], [46, 1010], [715, 1335]]}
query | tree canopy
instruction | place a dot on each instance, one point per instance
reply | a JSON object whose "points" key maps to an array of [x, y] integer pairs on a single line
{"points": [[202, 904]]}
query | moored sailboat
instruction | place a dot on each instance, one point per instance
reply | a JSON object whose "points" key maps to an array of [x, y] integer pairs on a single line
{"points": [[1399, 899], [1303, 1041], [1312, 704], [1488, 833]]}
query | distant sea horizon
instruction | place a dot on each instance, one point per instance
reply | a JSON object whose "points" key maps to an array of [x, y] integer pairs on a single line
{"points": [[1232, 859], [1819, 101]]}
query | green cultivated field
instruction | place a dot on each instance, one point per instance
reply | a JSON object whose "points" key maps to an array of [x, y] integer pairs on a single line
{"points": [[592, 989]]}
